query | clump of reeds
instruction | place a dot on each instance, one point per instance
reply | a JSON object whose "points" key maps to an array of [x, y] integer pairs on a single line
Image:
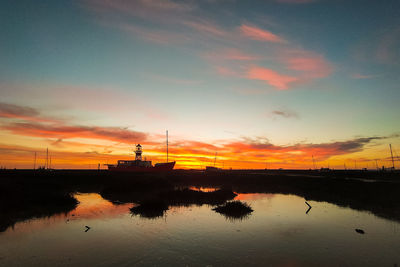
{"points": [[151, 208], [234, 209], [188, 197]]}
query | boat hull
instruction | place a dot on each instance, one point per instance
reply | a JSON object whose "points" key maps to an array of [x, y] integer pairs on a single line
{"points": [[159, 167]]}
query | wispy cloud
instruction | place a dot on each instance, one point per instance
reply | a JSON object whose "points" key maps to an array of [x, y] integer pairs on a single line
{"points": [[115, 134], [225, 71], [273, 78], [285, 113], [12, 111], [206, 27], [32, 123], [179, 23], [15, 111], [240, 153], [255, 33], [302, 150], [363, 76], [310, 65]]}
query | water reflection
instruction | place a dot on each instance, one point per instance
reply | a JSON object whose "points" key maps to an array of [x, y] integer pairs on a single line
{"points": [[204, 189], [155, 205], [234, 210], [151, 209], [278, 232], [92, 206], [23, 207]]}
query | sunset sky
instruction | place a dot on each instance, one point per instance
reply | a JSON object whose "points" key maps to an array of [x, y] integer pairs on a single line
{"points": [[262, 83]]}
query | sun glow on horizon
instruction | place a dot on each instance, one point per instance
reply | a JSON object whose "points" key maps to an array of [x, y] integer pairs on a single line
{"points": [[266, 85]]}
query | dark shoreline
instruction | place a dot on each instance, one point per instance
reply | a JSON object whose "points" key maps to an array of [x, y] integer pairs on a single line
{"points": [[26, 194]]}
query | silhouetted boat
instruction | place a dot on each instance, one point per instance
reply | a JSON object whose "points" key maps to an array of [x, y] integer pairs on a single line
{"points": [[213, 168], [139, 165]]}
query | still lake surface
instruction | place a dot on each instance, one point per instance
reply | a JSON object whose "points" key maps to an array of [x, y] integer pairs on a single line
{"points": [[277, 233]]}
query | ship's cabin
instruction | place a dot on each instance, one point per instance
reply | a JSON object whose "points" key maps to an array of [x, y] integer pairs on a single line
{"points": [[138, 163]]}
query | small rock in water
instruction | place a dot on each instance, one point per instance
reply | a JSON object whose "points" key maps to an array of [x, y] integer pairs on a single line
{"points": [[360, 231]]}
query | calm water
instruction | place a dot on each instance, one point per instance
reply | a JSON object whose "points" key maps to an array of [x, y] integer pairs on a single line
{"points": [[278, 233]]}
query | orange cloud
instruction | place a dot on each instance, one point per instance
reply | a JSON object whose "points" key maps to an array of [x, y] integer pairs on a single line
{"points": [[260, 35], [323, 150], [244, 153], [271, 77], [115, 134]]}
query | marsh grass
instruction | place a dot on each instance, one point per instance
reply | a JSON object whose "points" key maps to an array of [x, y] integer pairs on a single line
{"points": [[234, 209]]}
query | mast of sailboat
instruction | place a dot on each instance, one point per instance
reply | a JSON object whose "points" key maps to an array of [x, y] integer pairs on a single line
{"points": [[47, 158], [167, 145], [391, 153], [215, 159], [34, 163], [313, 161]]}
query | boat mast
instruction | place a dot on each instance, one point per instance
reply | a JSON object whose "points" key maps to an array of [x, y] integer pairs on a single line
{"points": [[313, 161], [167, 145], [215, 159], [34, 163], [391, 153], [47, 158]]}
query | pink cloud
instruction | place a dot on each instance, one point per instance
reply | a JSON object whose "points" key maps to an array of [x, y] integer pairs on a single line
{"points": [[309, 65], [271, 77], [260, 35], [314, 66]]}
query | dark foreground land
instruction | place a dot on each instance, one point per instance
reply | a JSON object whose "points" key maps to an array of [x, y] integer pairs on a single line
{"points": [[26, 194]]}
